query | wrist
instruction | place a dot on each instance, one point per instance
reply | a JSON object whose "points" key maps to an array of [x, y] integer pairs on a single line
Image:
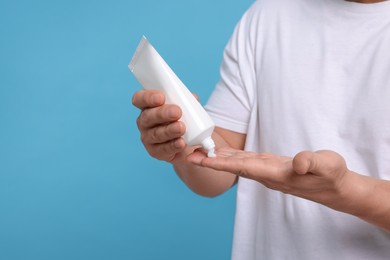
{"points": [[351, 191], [361, 196]]}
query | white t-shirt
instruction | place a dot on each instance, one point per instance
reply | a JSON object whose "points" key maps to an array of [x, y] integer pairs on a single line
{"points": [[307, 75]]}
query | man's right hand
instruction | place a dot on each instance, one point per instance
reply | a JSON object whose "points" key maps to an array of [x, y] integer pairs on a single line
{"points": [[161, 132]]}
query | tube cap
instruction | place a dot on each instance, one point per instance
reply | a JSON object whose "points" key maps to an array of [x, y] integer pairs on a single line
{"points": [[209, 145]]}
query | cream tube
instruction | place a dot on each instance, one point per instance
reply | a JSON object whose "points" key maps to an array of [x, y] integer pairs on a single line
{"points": [[153, 72]]}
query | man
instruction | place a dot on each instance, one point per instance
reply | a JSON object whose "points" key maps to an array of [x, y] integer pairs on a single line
{"points": [[297, 76]]}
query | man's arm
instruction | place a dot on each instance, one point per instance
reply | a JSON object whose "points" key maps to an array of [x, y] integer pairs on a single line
{"points": [[320, 176], [161, 134]]}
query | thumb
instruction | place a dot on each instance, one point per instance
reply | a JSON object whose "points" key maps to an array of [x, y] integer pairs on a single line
{"points": [[196, 96], [317, 162], [302, 162]]}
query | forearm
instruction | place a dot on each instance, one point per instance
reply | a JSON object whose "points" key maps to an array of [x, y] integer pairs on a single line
{"points": [[366, 198], [203, 181]]}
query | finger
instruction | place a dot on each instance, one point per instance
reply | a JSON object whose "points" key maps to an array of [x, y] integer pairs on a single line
{"points": [[227, 159], [196, 96], [164, 114], [164, 133], [237, 166], [196, 157], [167, 151], [148, 98]]}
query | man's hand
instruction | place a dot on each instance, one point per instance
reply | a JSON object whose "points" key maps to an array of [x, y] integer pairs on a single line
{"points": [[161, 134], [320, 176], [159, 126], [316, 176]]}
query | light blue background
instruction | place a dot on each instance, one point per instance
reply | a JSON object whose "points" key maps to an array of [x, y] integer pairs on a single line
{"points": [[75, 181]]}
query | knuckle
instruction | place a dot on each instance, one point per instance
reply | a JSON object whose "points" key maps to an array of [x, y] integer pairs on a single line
{"points": [[134, 100], [143, 119], [143, 138], [154, 134], [152, 152], [169, 131], [161, 113], [166, 148], [139, 121], [174, 147], [169, 149], [145, 98], [162, 152]]}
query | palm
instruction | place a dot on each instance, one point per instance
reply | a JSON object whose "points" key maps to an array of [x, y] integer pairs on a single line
{"points": [[285, 174]]}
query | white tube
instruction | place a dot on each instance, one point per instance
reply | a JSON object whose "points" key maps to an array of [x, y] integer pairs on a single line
{"points": [[153, 72]]}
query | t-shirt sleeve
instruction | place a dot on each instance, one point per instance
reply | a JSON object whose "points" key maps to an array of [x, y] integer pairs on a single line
{"points": [[230, 103]]}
